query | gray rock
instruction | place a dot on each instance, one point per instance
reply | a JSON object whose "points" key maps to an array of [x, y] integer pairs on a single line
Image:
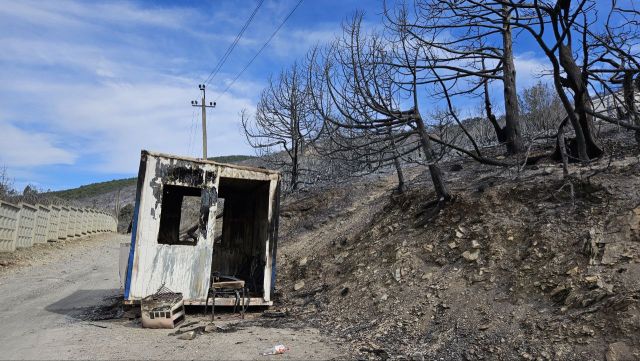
{"points": [[471, 255], [620, 351], [298, 285], [190, 335]]}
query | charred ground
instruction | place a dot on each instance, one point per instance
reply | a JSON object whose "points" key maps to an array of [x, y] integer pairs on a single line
{"points": [[513, 268]]}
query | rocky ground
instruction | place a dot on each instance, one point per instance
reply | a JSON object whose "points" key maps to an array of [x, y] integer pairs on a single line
{"points": [[514, 268], [62, 301]]}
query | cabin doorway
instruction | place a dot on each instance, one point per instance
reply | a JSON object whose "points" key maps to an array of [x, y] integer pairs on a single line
{"points": [[241, 232]]}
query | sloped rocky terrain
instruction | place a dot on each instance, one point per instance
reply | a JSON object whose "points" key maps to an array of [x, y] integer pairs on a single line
{"points": [[513, 268]]}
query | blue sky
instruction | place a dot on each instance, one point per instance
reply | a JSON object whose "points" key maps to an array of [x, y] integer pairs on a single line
{"points": [[87, 84]]}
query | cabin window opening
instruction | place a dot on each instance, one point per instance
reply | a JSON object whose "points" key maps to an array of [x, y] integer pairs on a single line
{"points": [[180, 215]]}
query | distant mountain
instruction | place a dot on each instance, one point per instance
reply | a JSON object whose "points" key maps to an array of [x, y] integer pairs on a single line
{"points": [[96, 189]]}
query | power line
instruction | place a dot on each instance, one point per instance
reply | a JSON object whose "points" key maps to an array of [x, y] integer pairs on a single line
{"points": [[261, 49], [212, 75], [232, 46]]}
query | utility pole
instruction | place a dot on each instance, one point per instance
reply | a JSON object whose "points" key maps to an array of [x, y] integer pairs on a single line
{"points": [[204, 106]]}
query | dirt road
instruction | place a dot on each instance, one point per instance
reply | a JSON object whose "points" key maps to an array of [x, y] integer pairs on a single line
{"points": [[50, 310]]}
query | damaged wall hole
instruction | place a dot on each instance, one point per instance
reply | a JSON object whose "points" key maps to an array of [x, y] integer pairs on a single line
{"points": [[179, 219]]}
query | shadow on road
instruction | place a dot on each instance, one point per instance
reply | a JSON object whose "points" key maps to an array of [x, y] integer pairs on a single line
{"points": [[89, 305]]}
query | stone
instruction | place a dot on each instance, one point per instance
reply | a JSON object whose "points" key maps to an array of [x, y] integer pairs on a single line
{"points": [[591, 280], [303, 262], [403, 272], [471, 255], [634, 224], [209, 328], [189, 335], [605, 286], [459, 234], [475, 244], [560, 293], [384, 297], [619, 351], [396, 275], [223, 329], [613, 252], [453, 245], [572, 272], [587, 331], [298, 285]]}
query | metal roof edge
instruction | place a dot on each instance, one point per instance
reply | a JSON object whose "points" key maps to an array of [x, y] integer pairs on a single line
{"points": [[206, 161]]}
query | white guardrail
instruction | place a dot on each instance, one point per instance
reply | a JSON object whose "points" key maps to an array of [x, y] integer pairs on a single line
{"points": [[23, 225]]}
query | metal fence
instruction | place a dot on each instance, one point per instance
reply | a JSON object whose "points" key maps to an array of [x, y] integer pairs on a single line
{"points": [[23, 225]]}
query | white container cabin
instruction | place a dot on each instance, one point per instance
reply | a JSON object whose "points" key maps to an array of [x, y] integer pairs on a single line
{"points": [[169, 248]]}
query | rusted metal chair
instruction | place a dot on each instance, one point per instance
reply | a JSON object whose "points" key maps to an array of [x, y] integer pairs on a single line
{"points": [[227, 286]]}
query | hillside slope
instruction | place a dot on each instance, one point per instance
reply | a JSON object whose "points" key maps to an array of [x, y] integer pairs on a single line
{"points": [[512, 269]]}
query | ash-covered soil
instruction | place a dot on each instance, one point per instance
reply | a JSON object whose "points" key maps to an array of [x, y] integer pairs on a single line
{"points": [[514, 268]]}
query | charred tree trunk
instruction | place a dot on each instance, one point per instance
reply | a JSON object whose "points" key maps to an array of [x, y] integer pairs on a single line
{"points": [[294, 166], [628, 88], [512, 134], [401, 184], [434, 169], [585, 146], [637, 116], [396, 163], [500, 133]]}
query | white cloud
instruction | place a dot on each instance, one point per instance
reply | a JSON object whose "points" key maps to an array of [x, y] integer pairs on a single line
{"points": [[295, 43], [90, 84], [110, 123], [27, 148], [72, 14], [100, 104], [530, 69]]}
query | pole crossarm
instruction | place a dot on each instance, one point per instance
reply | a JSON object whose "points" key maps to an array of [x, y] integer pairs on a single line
{"points": [[203, 105]]}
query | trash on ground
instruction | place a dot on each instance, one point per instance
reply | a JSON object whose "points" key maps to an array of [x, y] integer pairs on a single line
{"points": [[276, 350]]}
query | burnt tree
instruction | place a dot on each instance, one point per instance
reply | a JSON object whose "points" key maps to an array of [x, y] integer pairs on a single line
{"points": [[367, 80], [469, 46], [284, 122]]}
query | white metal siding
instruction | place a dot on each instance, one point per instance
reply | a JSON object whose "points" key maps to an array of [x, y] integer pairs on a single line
{"points": [[183, 268]]}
